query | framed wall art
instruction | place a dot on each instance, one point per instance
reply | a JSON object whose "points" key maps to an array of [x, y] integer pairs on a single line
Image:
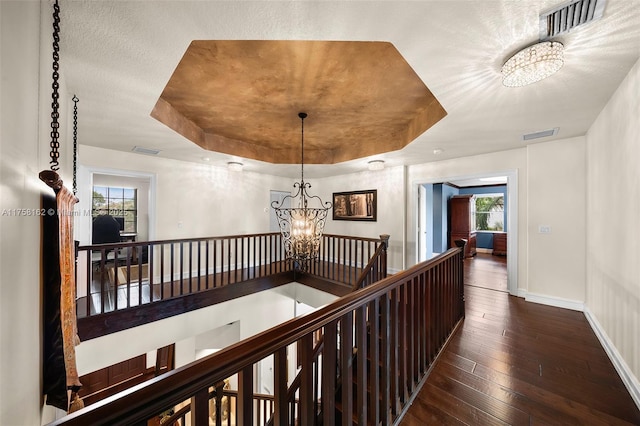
{"points": [[355, 205]]}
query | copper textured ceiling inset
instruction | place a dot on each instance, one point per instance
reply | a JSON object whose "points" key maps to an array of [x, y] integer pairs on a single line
{"points": [[241, 98]]}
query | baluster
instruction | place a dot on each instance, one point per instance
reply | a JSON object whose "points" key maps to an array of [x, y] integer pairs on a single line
{"points": [[140, 274], [415, 291], [361, 364], [329, 360], [340, 260], [236, 255], [385, 364], [374, 361], [200, 407], [306, 414], [245, 396], [206, 264], [190, 255], [181, 267], [346, 367], [89, 281], [215, 264], [199, 264], [162, 271], [280, 415], [402, 338]]}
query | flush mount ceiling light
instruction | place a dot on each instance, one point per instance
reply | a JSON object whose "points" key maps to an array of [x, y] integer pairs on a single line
{"points": [[533, 63], [376, 165], [235, 166], [301, 225]]}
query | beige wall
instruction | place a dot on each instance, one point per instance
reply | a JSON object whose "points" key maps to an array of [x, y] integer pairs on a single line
{"points": [[556, 192], [389, 184], [550, 267], [193, 200], [25, 96], [613, 223]]}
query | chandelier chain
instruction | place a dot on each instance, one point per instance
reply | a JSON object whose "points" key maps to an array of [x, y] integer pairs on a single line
{"points": [[55, 125], [302, 116], [75, 142]]}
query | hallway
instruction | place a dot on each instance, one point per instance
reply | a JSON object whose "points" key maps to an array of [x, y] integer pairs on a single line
{"points": [[486, 271], [520, 363]]}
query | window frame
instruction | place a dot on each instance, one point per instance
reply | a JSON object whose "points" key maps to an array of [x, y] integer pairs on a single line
{"points": [[116, 205], [475, 212]]}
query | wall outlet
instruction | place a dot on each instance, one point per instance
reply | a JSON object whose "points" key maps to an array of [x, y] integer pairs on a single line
{"points": [[544, 229]]}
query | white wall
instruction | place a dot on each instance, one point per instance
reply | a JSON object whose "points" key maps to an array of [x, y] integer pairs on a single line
{"points": [[25, 99], [613, 226], [389, 184], [194, 200], [556, 191]]}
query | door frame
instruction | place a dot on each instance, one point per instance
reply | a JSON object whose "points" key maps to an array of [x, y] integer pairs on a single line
{"points": [[512, 215]]}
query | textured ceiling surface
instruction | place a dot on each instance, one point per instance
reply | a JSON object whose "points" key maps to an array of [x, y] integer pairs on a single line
{"points": [[243, 98], [117, 57]]}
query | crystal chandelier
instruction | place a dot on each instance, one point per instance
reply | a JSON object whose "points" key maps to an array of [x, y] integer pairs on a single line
{"points": [[533, 63], [301, 224]]}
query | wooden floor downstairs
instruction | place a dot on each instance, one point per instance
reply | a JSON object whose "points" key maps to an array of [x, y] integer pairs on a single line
{"points": [[520, 363]]}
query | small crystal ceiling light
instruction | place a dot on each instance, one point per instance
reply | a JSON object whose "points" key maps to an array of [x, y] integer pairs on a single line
{"points": [[376, 165], [533, 63], [235, 166]]}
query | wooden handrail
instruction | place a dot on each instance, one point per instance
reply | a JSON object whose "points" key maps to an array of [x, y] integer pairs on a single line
{"points": [[419, 307], [116, 276], [369, 272]]}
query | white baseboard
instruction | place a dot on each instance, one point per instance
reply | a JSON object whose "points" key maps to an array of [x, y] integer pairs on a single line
{"points": [[484, 250], [628, 378], [558, 302]]}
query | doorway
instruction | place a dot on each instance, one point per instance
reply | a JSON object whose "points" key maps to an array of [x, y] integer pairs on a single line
{"points": [[432, 226], [142, 185]]}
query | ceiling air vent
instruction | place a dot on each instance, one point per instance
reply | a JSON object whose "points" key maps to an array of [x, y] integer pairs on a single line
{"points": [[540, 134], [568, 16], [146, 151]]}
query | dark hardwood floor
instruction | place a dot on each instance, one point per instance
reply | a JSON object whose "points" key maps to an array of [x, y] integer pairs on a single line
{"points": [[487, 271], [520, 363]]}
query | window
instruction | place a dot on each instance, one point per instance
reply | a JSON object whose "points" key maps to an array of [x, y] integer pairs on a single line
{"points": [[121, 203], [489, 212]]}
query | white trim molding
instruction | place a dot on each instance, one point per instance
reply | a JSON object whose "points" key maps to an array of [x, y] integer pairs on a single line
{"points": [[628, 378], [630, 381], [558, 302]]}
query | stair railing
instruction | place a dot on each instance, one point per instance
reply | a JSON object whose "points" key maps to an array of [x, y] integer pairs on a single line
{"points": [[412, 312], [376, 268]]}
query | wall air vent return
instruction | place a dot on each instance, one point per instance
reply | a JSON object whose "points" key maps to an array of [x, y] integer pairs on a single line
{"points": [[566, 17], [540, 134], [146, 151]]}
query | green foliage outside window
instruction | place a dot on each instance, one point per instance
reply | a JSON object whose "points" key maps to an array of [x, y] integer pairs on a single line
{"points": [[489, 213]]}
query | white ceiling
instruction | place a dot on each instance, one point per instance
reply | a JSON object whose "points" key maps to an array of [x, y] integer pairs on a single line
{"points": [[117, 57]]}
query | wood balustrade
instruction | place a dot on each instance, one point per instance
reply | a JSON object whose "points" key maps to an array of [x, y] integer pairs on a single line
{"points": [[378, 344], [148, 275], [122, 275]]}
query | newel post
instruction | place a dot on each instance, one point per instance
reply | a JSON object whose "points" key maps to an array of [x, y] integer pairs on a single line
{"points": [[461, 243], [385, 244]]}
